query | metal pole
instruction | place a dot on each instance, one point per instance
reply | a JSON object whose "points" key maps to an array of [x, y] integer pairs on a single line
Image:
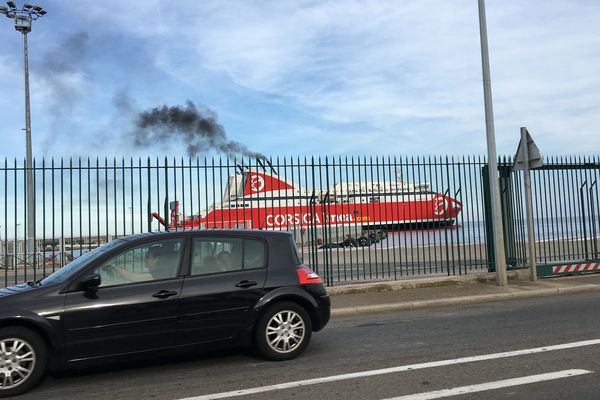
{"points": [[500, 261], [529, 207], [30, 192], [16, 247], [23, 18]]}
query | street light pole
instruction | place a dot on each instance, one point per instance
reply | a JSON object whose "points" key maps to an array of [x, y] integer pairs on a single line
{"points": [[30, 191], [500, 260], [23, 17]]}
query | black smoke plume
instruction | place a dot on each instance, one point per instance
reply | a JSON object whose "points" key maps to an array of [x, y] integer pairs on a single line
{"points": [[60, 63], [61, 70], [199, 129]]}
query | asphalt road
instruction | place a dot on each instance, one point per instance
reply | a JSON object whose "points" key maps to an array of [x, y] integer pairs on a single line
{"points": [[404, 353]]}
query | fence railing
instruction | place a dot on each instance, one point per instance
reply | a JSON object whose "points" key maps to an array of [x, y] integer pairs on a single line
{"points": [[565, 208], [354, 218]]}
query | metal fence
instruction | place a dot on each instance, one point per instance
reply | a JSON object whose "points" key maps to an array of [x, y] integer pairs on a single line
{"points": [[354, 218], [565, 207]]}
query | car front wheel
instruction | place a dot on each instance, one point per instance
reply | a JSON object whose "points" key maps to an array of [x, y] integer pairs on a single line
{"points": [[23, 358], [283, 331]]}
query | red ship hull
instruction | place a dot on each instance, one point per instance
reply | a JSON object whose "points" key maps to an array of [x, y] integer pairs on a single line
{"points": [[257, 200], [440, 210]]}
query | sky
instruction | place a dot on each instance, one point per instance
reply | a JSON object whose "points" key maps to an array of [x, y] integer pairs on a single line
{"points": [[300, 78]]}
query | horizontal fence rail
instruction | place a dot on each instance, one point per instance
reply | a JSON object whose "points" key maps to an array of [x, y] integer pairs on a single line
{"points": [[353, 218]]}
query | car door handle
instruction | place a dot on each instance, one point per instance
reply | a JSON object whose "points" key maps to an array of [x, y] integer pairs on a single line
{"points": [[246, 284], [163, 294]]}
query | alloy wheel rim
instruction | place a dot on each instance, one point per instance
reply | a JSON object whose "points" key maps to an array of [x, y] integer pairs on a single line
{"points": [[285, 331], [17, 362]]}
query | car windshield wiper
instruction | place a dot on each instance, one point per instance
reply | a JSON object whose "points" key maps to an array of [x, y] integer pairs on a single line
{"points": [[35, 283]]}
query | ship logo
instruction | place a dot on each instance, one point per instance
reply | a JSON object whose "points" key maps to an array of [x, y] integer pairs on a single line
{"points": [[261, 183], [257, 183], [440, 204]]}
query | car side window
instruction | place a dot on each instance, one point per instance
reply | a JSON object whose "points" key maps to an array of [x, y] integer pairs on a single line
{"points": [[147, 262], [254, 254], [212, 256]]}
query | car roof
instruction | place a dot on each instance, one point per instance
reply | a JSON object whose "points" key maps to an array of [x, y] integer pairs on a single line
{"points": [[206, 232]]}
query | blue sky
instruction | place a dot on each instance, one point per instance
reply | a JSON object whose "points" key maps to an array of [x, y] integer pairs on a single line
{"points": [[306, 77]]}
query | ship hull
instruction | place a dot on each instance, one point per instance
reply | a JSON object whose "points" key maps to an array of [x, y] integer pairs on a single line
{"points": [[433, 211]]}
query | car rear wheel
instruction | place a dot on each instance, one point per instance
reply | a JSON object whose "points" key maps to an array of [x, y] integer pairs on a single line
{"points": [[23, 359], [283, 331]]}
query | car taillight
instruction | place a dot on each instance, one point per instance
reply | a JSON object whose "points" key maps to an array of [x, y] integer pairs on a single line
{"points": [[307, 276]]}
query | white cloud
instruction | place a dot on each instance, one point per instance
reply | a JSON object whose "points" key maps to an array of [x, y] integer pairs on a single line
{"points": [[381, 70], [360, 62], [13, 106], [380, 64]]}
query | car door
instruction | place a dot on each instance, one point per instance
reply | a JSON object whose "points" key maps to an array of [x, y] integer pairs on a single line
{"points": [[131, 311], [226, 280]]}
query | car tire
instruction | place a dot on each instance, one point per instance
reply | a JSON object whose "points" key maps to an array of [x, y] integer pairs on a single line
{"points": [[30, 360], [350, 243], [283, 331], [364, 241]]}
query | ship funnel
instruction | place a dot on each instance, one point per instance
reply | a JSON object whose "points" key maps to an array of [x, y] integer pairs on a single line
{"points": [[257, 182]]}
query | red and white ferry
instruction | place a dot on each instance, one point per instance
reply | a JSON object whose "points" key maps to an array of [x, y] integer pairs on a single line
{"points": [[263, 200]]}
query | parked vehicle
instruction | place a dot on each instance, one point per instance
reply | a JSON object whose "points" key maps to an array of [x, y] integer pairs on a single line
{"points": [[151, 293]]}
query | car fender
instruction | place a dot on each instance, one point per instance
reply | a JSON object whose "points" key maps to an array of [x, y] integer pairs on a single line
{"points": [[282, 293], [40, 324]]}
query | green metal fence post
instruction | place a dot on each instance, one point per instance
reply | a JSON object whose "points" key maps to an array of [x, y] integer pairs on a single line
{"points": [[506, 204], [487, 215]]}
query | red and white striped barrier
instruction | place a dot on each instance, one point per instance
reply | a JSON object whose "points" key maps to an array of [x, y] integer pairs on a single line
{"points": [[562, 269]]}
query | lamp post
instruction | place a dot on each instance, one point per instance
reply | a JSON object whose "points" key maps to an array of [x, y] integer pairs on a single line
{"points": [[23, 17], [500, 259]]}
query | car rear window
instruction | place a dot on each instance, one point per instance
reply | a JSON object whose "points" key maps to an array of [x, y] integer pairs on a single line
{"points": [[254, 254], [215, 255], [296, 259]]}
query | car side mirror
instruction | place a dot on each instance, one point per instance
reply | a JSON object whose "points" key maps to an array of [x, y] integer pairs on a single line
{"points": [[91, 282]]}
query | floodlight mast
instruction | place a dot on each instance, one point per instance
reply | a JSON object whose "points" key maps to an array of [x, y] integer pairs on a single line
{"points": [[23, 17]]}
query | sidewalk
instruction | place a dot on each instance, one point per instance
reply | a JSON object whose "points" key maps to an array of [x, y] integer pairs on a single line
{"points": [[367, 298]]}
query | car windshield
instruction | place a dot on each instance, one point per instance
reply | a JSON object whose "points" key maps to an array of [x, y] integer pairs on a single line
{"points": [[77, 264]]}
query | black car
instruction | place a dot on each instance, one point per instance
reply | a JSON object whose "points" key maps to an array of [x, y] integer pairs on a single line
{"points": [[161, 292]]}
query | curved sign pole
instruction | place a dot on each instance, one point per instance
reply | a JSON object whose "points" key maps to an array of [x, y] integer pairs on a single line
{"points": [[528, 156]]}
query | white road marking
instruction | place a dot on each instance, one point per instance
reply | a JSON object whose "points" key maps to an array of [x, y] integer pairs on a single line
{"points": [[412, 367], [482, 387]]}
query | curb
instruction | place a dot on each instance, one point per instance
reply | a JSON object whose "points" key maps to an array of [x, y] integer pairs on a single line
{"points": [[444, 281], [422, 304]]}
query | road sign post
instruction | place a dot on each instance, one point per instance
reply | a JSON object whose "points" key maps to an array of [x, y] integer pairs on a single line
{"points": [[528, 156]]}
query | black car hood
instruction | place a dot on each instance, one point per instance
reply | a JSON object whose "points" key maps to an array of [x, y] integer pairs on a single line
{"points": [[23, 287]]}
